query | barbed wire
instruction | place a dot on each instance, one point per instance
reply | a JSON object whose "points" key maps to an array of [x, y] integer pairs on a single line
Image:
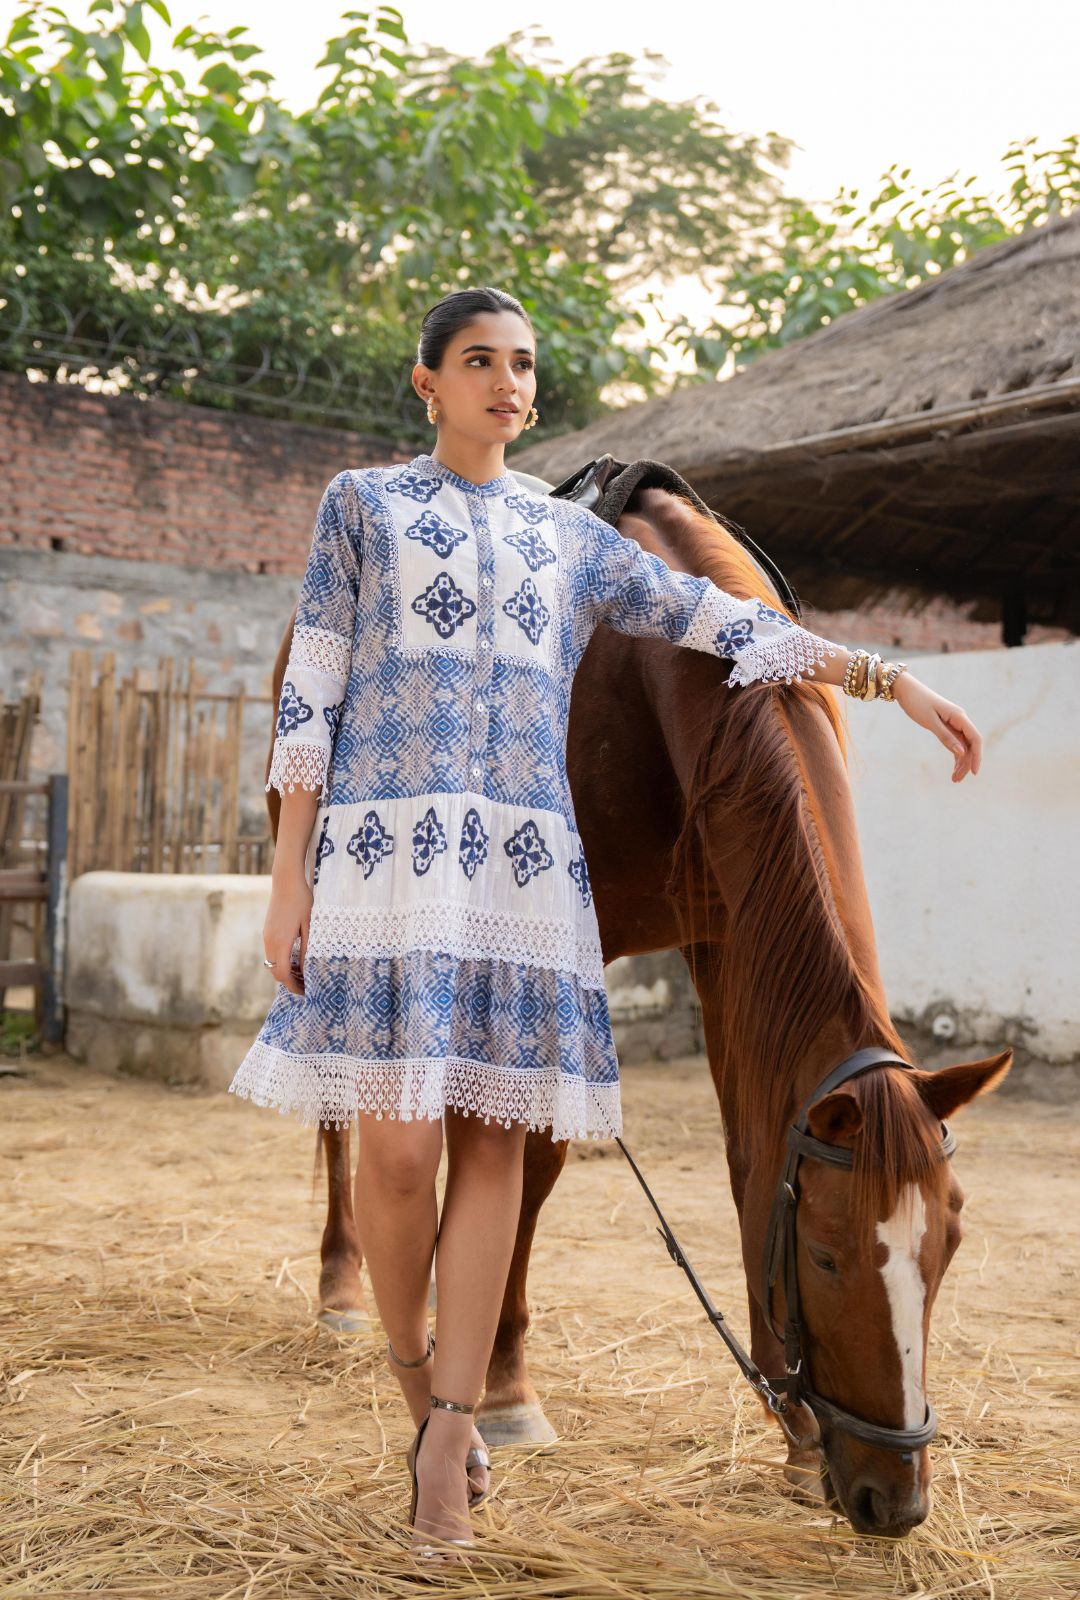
{"points": [[119, 357]]}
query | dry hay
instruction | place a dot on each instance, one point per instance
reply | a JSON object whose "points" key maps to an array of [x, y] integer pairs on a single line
{"points": [[175, 1425]]}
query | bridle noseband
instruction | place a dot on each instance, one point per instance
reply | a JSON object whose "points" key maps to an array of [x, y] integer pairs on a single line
{"points": [[781, 1260]]}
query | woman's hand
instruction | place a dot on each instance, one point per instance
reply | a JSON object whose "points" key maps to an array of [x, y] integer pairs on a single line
{"points": [[288, 915], [949, 722]]}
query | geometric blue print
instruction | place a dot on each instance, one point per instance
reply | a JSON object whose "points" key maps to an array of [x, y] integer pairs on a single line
{"points": [[428, 841], [462, 718], [444, 605], [414, 485], [293, 710], [370, 843], [768, 614], [528, 609], [473, 849], [532, 510], [580, 874], [333, 718], [436, 533], [324, 848], [536, 552], [528, 852], [734, 635]]}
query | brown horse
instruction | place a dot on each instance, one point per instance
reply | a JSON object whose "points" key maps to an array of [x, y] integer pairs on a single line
{"points": [[720, 822]]}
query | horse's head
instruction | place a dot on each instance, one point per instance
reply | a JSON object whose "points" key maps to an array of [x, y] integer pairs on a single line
{"points": [[873, 1244]]}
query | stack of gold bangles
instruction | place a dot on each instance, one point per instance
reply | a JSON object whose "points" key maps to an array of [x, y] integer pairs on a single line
{"points": [[869, 678]]}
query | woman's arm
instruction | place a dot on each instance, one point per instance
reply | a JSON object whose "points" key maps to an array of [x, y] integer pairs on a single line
{"points": [[947, 721], [309, 712], [634, 591]]}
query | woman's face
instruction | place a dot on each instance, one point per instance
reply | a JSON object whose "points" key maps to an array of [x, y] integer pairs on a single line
{"points": [[490, 364]]}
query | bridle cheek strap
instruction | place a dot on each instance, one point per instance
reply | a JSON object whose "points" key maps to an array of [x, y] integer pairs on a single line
{"points": [[781, 1259]]}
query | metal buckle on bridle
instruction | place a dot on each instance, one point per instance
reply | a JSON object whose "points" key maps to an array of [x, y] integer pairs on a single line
{"points": [[781, 1394]]}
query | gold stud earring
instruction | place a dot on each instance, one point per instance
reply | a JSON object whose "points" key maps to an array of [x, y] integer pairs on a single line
{"points": [[432, 414], [532, 419]]}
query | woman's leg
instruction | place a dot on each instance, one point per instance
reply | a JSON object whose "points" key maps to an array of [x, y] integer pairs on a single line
{"points": [[475, 1243], [397, 1218]]}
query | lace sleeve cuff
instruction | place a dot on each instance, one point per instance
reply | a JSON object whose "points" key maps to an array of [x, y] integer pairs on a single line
{"points": [[762, 643], [297, 765]]}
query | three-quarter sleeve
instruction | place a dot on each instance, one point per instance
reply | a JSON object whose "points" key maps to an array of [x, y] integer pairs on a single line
{"points": [[313, 690], [634, 591]]}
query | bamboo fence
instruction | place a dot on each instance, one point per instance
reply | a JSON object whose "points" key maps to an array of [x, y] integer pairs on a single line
{"points": [[155, 772]]}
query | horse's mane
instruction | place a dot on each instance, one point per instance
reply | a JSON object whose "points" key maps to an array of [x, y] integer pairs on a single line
{"points": [[788, 970]]}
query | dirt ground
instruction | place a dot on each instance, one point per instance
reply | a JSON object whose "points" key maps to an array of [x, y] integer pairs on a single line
{"points": [[175, 1423]]}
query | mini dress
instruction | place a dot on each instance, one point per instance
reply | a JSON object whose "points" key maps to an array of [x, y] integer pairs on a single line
{"points": [[453, 955]]}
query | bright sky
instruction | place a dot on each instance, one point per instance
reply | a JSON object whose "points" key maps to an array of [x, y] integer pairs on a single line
{"points": [[941, 86]]}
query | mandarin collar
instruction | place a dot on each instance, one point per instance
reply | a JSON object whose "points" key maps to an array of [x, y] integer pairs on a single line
{"points": [[503, 484]]}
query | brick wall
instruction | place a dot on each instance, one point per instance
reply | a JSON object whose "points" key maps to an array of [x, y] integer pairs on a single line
{"points": [[90, 474]]}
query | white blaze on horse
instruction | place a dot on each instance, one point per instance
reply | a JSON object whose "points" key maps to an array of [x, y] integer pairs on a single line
{"points": [[722, 824]]}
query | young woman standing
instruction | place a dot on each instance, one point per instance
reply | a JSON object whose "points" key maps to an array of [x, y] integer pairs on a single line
{"points": [[431, 924]]}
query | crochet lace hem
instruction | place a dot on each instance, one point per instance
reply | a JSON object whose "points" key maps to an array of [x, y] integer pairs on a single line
{"points": [[332, 1089], [320, 651], [783, 658], [459, 929], [297, 765]]}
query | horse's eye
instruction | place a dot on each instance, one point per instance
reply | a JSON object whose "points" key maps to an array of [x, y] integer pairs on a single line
{"points": [[822, 1259]]}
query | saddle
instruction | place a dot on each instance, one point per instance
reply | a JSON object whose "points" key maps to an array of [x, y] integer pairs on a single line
{"points": [[605, 487]]}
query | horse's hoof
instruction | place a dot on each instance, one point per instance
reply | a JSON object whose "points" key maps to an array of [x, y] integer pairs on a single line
{"points": [[802, 1472], [354, 1321], [515, 1425]]}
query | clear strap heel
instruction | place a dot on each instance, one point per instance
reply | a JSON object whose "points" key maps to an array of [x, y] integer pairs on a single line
{"points": [[428, 1551], [477, 1455]]}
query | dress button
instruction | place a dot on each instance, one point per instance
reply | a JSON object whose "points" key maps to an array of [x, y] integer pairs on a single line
{"points": [[476, 772], [487, 583]]}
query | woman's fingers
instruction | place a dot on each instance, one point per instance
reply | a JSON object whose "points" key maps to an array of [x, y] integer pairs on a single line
{"points": [[958, 733], [281, 953]]}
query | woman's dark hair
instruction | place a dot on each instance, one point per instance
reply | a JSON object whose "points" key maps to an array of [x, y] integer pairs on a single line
{"points": [[454, 312]]}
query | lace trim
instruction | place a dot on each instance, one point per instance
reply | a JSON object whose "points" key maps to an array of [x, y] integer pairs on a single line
{"points": [[320, 651], [332, 1089], [787, 657], [297, 765], [714, 608], [459, 929]]}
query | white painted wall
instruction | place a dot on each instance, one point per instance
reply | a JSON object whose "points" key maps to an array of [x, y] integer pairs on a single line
{"points": [[975, 886]]}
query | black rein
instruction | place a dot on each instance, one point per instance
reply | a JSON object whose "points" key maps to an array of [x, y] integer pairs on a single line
{"points": [[781, 1261]]}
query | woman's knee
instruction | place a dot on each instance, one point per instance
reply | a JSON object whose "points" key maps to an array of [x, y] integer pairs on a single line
{"points": [[402, 1158], [490, 1144]]}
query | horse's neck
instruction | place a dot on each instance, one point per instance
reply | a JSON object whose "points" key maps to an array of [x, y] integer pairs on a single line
{"points": [[799, 986]]}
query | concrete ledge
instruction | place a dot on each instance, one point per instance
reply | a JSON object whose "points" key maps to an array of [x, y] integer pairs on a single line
{"points": [[164, 972]]}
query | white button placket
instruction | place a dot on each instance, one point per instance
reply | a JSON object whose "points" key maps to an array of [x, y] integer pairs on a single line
{"points": [[485, 644]]}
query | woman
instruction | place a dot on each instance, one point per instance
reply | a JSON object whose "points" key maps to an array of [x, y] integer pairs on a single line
{"points": [[431, 924]]}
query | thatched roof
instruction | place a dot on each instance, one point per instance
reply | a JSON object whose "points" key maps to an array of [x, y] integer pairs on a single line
{"points": [[928, 442]]}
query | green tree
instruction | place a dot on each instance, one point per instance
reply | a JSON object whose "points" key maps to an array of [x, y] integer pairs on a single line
{"points": [[223, 248], [819, 267]]}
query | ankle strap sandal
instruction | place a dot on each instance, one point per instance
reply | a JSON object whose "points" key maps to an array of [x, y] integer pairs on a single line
{"points": [[451, 1405], [396, 1359]]}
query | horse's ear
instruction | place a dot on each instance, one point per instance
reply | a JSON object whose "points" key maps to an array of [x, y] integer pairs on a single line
{"points": [[946, 1090], [835, 1117]]}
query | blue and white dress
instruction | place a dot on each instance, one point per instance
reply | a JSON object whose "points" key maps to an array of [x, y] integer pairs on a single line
{"points": [[454, 957]]}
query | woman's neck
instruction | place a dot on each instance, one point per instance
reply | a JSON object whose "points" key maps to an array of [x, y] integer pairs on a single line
{"points": [[470, 459]]}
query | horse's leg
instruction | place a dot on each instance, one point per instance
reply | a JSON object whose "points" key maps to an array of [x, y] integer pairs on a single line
{"points": [[510, 1412], [341, 1298]]}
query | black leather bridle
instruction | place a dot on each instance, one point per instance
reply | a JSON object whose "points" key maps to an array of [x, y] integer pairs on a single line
{"points": [[781, 1262]]}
